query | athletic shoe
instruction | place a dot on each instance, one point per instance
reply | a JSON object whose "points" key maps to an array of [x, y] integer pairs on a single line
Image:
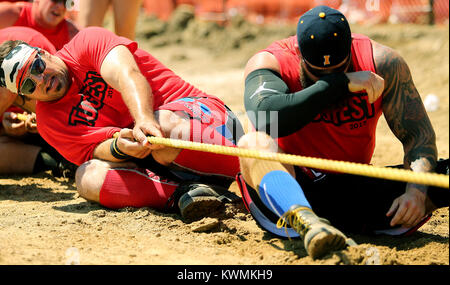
{"points": [[196, 200], [319, 237]]}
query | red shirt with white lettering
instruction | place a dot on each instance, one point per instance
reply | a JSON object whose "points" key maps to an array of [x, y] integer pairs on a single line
{"points": [[58, 35], [91, 111], [345, 132]]}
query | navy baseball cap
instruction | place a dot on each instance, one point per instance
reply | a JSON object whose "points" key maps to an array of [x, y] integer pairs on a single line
{"points": [[324, 36]]}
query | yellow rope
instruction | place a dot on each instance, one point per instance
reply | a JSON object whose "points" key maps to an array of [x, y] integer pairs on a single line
{"points": [[404, 175], [22, 117]]}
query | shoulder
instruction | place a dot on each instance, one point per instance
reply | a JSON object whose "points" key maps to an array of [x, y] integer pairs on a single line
{"points": [[269, 58], [262, 60], [386, 59], [392, 67], [9, 13]]}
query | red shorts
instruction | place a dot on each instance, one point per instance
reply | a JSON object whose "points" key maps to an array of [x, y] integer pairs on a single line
{"points": [[213, 123]]}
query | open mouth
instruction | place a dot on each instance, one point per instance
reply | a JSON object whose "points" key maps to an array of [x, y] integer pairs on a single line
{"points": [[55, 14]]}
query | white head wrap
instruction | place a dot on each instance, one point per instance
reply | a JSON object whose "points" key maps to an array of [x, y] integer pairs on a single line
{"points": [[15, 65]]}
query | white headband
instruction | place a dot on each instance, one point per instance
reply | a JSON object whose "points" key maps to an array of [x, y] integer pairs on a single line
{"points": [[14, 64]]}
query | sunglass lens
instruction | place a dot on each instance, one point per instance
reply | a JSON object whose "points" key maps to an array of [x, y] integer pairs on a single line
{"points": [[28, 87], [38, 66]]}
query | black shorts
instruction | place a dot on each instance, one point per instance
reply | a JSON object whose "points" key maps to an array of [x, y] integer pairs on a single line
{"points": [[358, 203]]}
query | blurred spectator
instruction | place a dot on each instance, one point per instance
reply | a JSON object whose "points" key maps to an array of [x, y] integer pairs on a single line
{"points": [[92, 13], [44, 16], [366, 12]]}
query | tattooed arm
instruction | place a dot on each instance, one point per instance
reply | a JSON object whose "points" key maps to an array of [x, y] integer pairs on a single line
{"points": [[408, 120]]}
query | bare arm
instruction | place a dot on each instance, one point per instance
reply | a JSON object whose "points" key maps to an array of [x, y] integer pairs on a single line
{"points": [[405, 113], [262, 60], [120, 71], [408, 120], [9, 13]]}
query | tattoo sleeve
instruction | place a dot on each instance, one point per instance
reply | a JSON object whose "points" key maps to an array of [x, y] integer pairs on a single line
{"points": [[405, 112]]}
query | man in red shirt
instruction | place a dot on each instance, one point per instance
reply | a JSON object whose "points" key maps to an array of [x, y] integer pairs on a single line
{"points": [[45, 16], [328, 87], [100, 85], [23, 150]]}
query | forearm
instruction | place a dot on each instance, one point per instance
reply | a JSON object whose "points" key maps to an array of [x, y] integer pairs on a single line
{"points": [[421, 158], [420, 150], [103, 151], [265, 92]]}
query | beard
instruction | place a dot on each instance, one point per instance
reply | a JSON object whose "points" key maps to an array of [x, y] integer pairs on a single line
{"points": [[305, 81]]}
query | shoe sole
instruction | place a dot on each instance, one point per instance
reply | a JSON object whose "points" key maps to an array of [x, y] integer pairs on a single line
{"points": [[199, 207], [324, 242]]}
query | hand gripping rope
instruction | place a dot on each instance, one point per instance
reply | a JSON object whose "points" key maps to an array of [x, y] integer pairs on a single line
{"points": [[22, 117]]}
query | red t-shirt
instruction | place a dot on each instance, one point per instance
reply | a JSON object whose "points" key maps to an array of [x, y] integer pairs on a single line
{"points": [[33, 38], [91, 111], [58, 36], [346, 132]]}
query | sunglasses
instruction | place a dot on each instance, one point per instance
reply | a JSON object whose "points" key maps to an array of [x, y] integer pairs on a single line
{"points": [[319, 72], [37, 67]]}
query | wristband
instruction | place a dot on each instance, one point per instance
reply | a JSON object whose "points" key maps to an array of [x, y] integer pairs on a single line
{"points": [[116, 152]]}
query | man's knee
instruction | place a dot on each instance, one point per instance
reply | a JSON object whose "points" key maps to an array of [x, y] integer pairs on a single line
{"points": [[173, 125], [89, 178], [91, 175]]}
